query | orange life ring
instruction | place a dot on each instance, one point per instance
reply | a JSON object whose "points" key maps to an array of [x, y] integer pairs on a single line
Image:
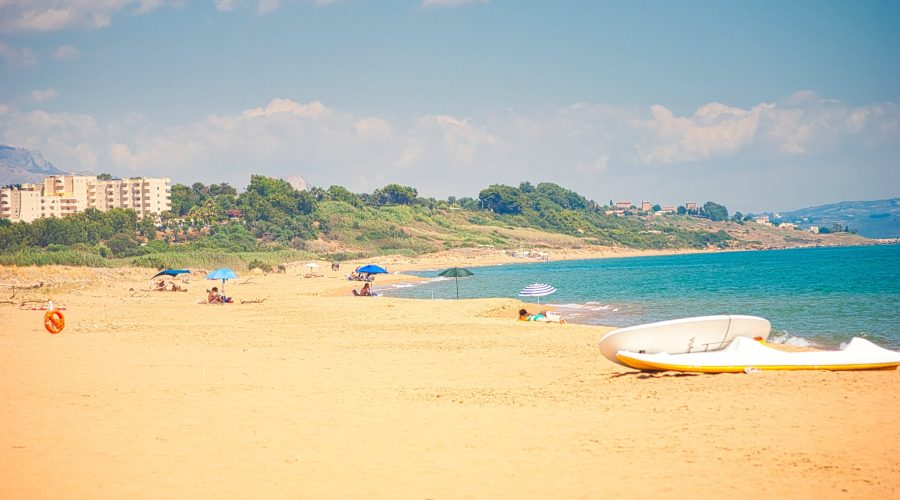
{"points": [[54, 321]]}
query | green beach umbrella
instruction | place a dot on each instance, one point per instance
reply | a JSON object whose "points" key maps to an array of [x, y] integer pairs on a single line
{"points": [[456, 272]]}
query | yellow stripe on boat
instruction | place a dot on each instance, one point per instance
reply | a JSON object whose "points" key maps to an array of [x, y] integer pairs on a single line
{"points": [[656, 366]]}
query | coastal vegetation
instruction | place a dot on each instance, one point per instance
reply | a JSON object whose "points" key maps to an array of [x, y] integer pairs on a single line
{"points": [[271, 222]]}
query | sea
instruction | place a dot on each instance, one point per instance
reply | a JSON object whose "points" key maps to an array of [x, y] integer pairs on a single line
{"points": [[820, 297]]}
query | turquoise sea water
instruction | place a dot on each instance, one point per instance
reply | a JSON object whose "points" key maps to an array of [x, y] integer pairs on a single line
{"points": [[820, 296]]}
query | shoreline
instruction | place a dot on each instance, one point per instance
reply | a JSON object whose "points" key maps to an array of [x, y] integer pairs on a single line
{"points": [[480, 257], [604, 307]]}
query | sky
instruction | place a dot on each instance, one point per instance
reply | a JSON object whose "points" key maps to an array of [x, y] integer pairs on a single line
{"points": [[757, 105]]}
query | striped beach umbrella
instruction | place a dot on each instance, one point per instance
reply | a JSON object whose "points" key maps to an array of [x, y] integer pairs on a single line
{"points": [[537, 290]]}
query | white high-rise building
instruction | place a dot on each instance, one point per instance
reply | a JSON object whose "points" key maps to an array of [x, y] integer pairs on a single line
{"points": [[62, 195], [22, 204]]}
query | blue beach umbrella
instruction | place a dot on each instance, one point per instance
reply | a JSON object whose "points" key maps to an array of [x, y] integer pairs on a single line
{"points": [[222, 274], [537, 290], [171, 272], [372, 269]]}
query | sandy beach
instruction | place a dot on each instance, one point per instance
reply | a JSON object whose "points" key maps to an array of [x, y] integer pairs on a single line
{"points": [[314, 393]]}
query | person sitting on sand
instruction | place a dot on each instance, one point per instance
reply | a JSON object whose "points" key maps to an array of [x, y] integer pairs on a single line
{"points": [[175, 288], [214, 297], [365, 291], [161, 285]]}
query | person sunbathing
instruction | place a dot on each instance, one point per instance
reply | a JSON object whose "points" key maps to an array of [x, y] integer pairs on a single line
{"points": [[543, 316], [525, 316], [365, 291]]}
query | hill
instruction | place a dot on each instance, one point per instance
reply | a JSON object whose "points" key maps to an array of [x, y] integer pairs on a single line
{"points": [[872, 219], [20, 165], [271, 223]]}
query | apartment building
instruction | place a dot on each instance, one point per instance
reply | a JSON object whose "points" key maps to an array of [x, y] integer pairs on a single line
{"points": [[62, 195], [22, 204], [144, 195]]}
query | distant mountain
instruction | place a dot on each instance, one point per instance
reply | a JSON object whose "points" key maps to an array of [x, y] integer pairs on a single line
{"points": [[872, 219], [19, 165]]}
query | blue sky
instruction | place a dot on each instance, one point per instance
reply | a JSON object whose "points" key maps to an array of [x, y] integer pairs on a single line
{"points": [[756, 105]]}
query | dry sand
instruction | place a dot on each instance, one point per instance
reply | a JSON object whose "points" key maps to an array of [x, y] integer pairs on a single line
{"points": [[314, 393]]}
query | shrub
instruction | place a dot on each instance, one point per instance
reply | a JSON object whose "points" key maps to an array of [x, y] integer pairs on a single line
{"points": [[122, 245], [258, 264]]}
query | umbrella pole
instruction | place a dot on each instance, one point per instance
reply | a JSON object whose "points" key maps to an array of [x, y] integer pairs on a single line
{"points": [[457, 288]]}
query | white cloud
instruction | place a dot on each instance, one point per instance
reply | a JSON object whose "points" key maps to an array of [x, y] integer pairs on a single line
{"points": [[450, 3], [444, 139], [85, 156], [148, 5], [805, 123], [48, 19], [801, 124], [713, 130], [287, 106], [54, 15], [583, 146], [66, 53], [16, 57], [374, 128], [263, 7], [43, 95], [225, 5]]}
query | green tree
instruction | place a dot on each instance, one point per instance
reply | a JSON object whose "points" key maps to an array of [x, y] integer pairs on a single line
{"points": [[233, 237], [503, 199], [714, 211], [469, 203], [275, 211], [104, 177], [681, 210], [339, 193], [223, 188], [564, 198], [55, 231], [656, 208], [183, 199], [395, 194], [147, 228], [122, 245]]}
